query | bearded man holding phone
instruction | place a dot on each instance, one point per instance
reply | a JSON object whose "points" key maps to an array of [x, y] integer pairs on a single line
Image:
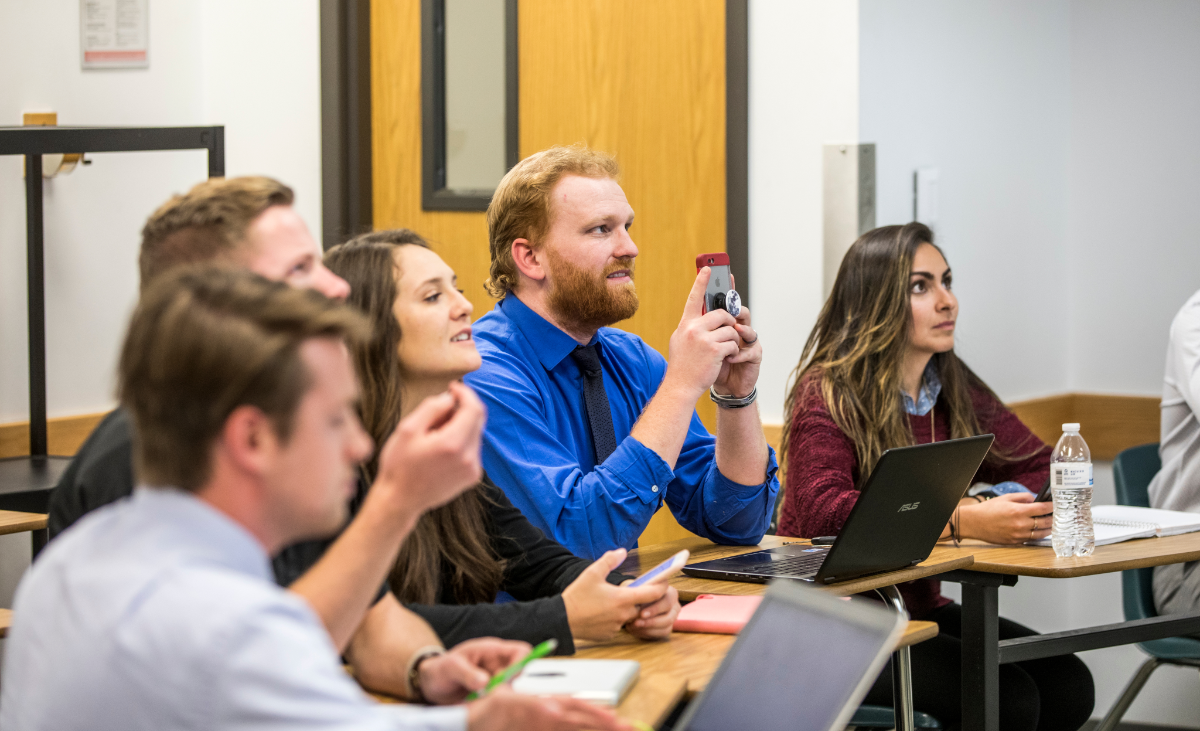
{"points": [[590, 431]]}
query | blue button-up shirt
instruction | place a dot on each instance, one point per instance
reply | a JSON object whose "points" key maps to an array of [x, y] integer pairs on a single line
{"points": [[538, 445], [159, 612], [931, 388]]}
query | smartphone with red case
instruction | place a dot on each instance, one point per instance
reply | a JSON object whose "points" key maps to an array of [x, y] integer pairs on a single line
{"points": [[719, 283]]}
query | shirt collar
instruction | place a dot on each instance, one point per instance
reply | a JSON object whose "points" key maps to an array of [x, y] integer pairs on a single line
{"points": [[931, 388], [210, 534], [549, 342]]}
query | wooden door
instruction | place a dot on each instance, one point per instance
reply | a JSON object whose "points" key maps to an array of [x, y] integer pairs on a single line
{"points": [[641, 79]]}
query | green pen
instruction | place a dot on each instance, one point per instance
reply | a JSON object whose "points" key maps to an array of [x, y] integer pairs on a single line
{"points": [[511, 671]]}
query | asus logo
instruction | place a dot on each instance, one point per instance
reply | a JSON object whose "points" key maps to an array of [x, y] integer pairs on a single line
{"points": [[909, 506]]}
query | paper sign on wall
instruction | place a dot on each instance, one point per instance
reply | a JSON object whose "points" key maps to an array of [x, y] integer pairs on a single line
{"points": [[114, 34]]}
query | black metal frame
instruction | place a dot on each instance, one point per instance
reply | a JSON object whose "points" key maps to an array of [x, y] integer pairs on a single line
{"points": [[737, 143], [347, 208], [983, 652], [25, 482], [435, 196]]}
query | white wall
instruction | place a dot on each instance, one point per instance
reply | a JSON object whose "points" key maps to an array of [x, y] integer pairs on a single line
{"points": [[1064, 132], [981, 91], [253, 67], [209, 64], [1133, 245], [803, 92]]}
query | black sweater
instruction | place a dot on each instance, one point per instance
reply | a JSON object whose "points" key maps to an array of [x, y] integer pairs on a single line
{"points": [[537, 570]]}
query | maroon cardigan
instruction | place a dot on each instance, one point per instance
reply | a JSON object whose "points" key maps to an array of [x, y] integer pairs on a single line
{"points": [[822, 471]]}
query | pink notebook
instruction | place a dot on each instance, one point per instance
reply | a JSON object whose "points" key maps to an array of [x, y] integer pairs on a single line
{"points": [[717, 614]]}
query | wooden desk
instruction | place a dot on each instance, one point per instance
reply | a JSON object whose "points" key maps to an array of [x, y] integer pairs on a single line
{"points": [[643, 559], [12, 521], [694, 657], [650, 701], [653, 697], [1041, 561], [997, 566]]}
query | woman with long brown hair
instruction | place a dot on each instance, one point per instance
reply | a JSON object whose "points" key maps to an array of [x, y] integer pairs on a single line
{"points": [[460, 556], [879, 371]]}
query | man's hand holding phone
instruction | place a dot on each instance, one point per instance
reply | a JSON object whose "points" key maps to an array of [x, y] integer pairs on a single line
{"points": [[702, 343], [713, 348]]}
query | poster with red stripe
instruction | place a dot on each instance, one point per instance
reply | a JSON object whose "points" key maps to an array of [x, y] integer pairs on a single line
{"points": [[114, 34]]}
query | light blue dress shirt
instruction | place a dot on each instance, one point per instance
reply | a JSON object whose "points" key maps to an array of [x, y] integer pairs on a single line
{"points": [[538, 446], [158, 612], [931, 388]]}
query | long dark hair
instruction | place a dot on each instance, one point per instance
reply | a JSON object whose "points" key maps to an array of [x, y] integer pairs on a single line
{"points": [[854, 354], [454, 536]]}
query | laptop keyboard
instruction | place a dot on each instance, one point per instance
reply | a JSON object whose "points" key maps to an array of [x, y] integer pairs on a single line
{"points": [[795, 566]]}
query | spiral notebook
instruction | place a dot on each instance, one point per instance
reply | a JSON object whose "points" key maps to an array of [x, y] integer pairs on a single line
{"points": [[1117, 523]]}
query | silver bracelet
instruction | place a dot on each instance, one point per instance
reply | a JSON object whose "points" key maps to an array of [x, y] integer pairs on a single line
{"points": [[732, 402]]}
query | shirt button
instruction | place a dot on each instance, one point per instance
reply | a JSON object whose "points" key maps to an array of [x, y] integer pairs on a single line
{"points": [[654, 488]]}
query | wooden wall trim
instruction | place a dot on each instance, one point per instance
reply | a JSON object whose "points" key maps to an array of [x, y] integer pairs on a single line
{"points": [[1109, 423], [66, 434]]}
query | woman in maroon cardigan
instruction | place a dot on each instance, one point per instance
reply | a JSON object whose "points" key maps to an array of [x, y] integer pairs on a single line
{"points": [[879, 371]]}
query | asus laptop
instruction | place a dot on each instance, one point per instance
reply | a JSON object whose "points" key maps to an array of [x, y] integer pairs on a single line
{"points": [[903, 508], [803, 662]]}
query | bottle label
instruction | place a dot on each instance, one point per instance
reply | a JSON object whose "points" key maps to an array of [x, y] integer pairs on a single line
{"points": [[1071, 474]]}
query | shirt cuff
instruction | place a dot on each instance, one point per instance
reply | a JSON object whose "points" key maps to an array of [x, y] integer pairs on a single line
{"points": [[1009, 486], [423, 718], [723, 510], [640, 469]]}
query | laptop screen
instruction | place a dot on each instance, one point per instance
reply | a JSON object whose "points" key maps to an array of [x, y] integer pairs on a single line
{"points": [[792, 668]]}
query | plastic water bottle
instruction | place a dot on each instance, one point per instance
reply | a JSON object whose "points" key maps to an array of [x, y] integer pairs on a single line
{"points": [[1071, 484]]}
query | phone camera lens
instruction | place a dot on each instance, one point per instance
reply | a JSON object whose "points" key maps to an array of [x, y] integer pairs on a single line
{"points": [[719, 301]]}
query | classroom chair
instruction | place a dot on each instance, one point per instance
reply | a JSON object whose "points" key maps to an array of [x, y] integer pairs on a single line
{"points": [[884, 717], [1132, 471]]}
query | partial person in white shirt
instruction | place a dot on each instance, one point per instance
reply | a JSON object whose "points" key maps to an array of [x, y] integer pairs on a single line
{"points": [[1177, 484], [159, 612]]}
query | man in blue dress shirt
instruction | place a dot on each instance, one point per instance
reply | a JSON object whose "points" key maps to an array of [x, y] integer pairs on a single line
{"points": [[159, 612], [590, 430]]}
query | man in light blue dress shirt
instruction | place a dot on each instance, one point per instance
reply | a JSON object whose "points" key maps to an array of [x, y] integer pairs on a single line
{"points": [[159, 612], [591, 465]]}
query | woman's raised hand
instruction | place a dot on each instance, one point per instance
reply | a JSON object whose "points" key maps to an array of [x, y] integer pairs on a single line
{"points": [[434, 453]]}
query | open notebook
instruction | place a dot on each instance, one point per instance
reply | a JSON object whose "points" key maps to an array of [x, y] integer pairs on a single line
{"points": [[1117, 523]]}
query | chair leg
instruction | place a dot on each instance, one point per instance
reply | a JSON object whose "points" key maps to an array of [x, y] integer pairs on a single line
{"points": [[1117, 712], [39, 540]]}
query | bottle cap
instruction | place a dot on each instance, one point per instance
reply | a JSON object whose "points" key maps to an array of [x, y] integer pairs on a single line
{"points": [[1070, 427]]}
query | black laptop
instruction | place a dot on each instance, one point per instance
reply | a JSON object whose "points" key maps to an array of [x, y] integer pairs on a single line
{"points": [[803, 662], [903, 508]]}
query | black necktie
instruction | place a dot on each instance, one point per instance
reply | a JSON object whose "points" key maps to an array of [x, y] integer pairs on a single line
{"points": [[604, 440]]}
